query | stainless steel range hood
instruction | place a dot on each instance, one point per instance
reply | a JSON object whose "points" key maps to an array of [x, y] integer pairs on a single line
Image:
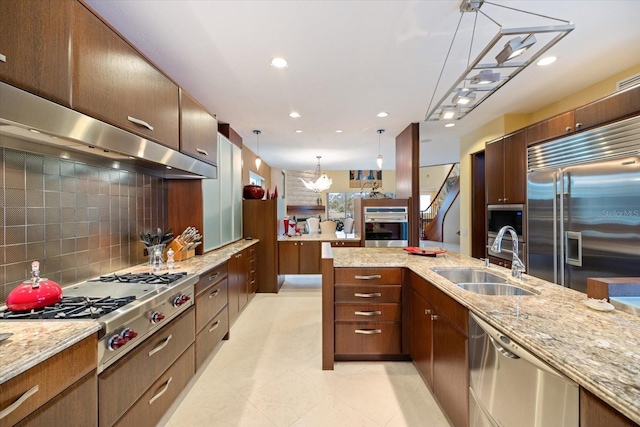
{"points": [[34, 124]]}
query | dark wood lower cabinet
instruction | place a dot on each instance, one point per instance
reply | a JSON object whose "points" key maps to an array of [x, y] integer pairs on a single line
{"points": [[76, 406], [373, 338], [422, 337], [596, 413]]}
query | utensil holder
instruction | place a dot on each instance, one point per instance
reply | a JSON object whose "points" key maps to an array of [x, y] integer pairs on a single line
{"points": [[180, 253]]}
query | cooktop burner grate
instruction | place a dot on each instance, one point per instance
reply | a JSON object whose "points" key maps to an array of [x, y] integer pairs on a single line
{"points": [[71, 308], [148, 278]]}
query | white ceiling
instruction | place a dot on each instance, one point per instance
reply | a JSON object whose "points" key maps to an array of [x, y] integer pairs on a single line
{"points": [[349, 60]]}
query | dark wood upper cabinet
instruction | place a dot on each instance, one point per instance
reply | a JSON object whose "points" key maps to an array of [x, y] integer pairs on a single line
{"points": [[614, 107], [506, 169], [198, 130], [556, 126], [114, 83], [34, 47]]}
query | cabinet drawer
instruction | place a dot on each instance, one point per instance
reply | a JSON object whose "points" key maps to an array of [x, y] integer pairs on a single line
{"points": [[368, 312], [142, 367], [367, 337], [76, 406], [209, 303], [211, 277], [211, 335], [368, 276], [154, 403], [50, 377], [368, 294]]}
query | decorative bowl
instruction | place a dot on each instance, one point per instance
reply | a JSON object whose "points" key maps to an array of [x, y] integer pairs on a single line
{"points": [[253, 191]]}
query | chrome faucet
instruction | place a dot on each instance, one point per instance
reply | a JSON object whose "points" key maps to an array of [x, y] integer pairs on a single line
{"points": [[517, 266]]}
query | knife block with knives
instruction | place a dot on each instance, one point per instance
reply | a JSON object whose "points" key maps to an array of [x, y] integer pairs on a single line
{"points": [[185, 244]]}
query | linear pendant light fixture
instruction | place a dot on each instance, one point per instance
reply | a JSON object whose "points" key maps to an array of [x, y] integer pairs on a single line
{"points": [[495, 65], [258, 159], [379, 159]]}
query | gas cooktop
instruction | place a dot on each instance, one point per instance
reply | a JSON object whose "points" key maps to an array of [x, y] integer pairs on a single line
{"points": [[71, 308]]}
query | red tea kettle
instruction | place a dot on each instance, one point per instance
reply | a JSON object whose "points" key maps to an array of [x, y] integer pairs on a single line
{"points": [[35, 293]]}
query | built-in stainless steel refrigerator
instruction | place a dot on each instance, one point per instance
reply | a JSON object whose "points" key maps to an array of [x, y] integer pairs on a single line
{"points": [[583, 206]]}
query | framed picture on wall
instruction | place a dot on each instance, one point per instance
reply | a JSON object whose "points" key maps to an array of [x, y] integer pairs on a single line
{"points": [[357, 178]]}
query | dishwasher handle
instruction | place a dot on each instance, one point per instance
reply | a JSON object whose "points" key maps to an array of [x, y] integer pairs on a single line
{"points": [[513, 348]]}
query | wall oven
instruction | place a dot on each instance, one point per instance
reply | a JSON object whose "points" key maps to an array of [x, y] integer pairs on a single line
{"points": [[497, 217], [386, 226]]}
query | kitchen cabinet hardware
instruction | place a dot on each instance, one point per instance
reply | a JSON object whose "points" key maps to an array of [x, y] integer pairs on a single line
{"points": [[368, 331], [140, 122], [3, 58], [370, 277], [214, 276], [201, 151], [368, 313], [434, 317], [427, 311], [161, 392], [369, 295], [15, 405], [578, 125], [161, 346], [568, 129], [214, 293], [214, 326]]}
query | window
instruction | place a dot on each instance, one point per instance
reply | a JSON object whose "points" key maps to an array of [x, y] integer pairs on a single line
{"points": [[340, 205], [425, 201], [256, 179]]}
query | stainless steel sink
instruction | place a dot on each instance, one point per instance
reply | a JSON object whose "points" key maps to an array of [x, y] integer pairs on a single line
{"points": [[494, 289], [469, 275]]}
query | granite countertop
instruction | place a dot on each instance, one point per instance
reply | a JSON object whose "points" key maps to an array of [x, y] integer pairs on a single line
{"points": [[320, 237], [34, 341], [598, 350]]}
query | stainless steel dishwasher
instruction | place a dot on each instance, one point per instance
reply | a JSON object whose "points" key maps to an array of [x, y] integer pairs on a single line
{"points": [[509, 386]]}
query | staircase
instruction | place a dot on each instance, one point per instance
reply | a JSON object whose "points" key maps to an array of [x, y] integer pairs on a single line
{"points": [[432, 218]]}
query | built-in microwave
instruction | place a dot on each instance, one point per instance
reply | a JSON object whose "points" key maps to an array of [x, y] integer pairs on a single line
{"points": [[497, 217]]}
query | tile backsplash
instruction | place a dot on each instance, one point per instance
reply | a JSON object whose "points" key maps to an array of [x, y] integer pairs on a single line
{"points": [[79, 220]]}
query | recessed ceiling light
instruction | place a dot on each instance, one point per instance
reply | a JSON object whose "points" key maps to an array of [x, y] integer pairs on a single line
{"points": [[338, 130], [279, 63], [449, 125], [294, 115], [546, 61], [382, 114], [298, 131]]}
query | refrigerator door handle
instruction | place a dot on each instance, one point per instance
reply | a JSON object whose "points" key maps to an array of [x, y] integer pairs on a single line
{"points": [[573, 248], [559, 210]]}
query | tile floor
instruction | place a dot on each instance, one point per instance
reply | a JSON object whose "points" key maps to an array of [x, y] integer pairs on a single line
{"points": [[269, 374]]}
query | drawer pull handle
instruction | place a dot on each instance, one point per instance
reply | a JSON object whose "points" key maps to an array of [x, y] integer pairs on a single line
{"points": [[161, 346], [368, 331], [214, 326], [3, 58], [201, 151], [214, 293], [370, 277], [15, 405], [368, 313], [161, 392], [140, 122], [214, 276], [369, 295]]}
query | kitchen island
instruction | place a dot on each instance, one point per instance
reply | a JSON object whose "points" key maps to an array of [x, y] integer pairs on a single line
{"points": [[598, 350]]}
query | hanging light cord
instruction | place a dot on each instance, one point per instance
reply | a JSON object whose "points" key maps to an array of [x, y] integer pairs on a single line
{"points": [[443, 66]]}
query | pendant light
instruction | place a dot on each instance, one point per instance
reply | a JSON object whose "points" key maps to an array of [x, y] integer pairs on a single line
{"points": [[322, 183], [258, 159], [379, 159]]}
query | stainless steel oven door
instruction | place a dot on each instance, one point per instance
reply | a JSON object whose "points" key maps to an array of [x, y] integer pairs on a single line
{"points": [[386, 226]]}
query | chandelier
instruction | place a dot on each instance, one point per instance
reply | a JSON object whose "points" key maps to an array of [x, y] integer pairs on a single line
{"points": [[322, 183]]}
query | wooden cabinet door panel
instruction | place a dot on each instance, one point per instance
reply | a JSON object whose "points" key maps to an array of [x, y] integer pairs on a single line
{"points": [[367, 337], [559, 125], [451, 370], [34, 42], [243, 285], [142, 367], [159, 397], [494, 171], [372, 294], [233, 290], [309, 257], [595, 412], [611, 108], [198, 130], [211, 278], [368, 312], [209, 337], [209, 303], [288, 262], [421, 337], [368, 276], [515, 168], [114, 83]]}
